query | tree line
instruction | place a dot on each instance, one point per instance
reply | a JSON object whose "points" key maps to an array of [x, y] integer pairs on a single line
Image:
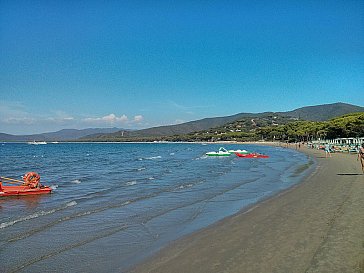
{"points": [[350, 125]]}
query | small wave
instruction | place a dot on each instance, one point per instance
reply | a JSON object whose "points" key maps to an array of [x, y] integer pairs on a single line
{"points": [[76, 181], [172, 154], [67, 218], [153, 157], [28, 217], [151, 178], [201, 157], [77, 244], [131, 183], [141, 169], [36, 215], [70, 204], [185, 186]]}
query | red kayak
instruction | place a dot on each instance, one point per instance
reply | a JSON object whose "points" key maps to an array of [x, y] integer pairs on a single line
{"points": [[30, 186], [252, 155]]}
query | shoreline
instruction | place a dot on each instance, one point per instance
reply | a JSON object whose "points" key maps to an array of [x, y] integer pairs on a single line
{"points": [[314, 226]]}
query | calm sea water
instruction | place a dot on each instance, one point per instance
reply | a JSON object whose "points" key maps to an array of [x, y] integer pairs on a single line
{"points": [[115, 204]]}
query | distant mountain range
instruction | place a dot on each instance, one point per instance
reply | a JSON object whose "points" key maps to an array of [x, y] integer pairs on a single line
{"points": [[314, 113], [62, 135]]}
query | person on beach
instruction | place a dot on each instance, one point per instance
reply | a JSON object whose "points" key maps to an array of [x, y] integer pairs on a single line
{"points": [[361, 156], [327, 150]]}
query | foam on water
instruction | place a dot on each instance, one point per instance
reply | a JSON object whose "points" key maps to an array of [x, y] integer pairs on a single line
{"points": [[153, 157], [36, 215], [150, 158], [131, 183], [53, 187], [202, 157], [185, 186], [76, 181]]}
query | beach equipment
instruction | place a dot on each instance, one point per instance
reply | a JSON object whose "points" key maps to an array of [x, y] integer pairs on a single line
{"points": [[222, 152], [251, 155], [30, 186]]}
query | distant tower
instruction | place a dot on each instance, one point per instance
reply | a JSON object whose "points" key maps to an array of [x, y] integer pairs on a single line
{"points": [[122, 133]]}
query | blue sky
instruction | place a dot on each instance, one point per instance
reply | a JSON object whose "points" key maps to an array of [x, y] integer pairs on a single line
{"points": [[138, 64]]}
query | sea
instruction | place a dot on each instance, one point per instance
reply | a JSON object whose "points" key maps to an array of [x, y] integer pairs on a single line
{"points": [[115, 204]]}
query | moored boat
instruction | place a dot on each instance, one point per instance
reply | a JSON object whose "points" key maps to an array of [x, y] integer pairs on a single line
{"points": [[22, 190], [30, 186], [222, 152], [37, 142]]}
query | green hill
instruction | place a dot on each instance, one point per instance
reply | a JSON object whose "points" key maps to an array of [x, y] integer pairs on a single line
{"points": [[323, 112], [247, 121]]}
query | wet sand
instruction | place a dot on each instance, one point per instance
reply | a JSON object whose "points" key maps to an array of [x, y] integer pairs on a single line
{"points": [[316, 226]]}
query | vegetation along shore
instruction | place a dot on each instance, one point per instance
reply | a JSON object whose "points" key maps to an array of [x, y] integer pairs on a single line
{"points": [[270, 127]]}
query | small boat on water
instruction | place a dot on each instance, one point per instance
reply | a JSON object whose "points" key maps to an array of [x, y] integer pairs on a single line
{"points": [[252, 155], [37, 142], [221, 152], [22, 190], [30, 186]]}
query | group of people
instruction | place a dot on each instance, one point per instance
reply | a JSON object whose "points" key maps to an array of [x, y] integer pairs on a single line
{"points": [[360, 154]]}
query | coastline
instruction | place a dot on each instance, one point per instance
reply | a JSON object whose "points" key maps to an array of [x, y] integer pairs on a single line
{"points": [[315, 226]]}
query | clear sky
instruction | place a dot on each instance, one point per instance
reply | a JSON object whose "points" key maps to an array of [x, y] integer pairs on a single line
{"points": [[138, 64]]}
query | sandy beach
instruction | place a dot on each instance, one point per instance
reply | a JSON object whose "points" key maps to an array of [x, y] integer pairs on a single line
{"points": [[316, 226]]}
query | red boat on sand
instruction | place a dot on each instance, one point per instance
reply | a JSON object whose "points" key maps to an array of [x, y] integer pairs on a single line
{"points": [[252, 155], [30, 186]]}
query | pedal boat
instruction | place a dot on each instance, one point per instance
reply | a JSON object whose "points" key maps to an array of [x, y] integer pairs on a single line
{"points": [[22, 190], [30, 186], [251, 155], [222, 152]]}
